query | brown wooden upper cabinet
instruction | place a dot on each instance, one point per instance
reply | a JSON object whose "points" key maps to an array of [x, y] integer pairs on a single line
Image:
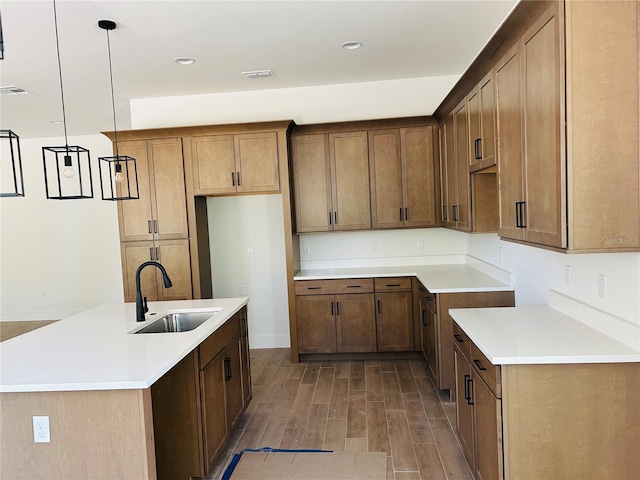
{"points": [[482, 138], [455, 170], [402, 177], [331, 182], [573, 186], [238, 163], [161, 212]]}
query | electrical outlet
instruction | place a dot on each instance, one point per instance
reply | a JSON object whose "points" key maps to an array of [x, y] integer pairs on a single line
{"points": [[374, 247], [307, 250], [252, 253], [602, 285], [243, 291], [568, 275], [41, 433], [420, 245]]}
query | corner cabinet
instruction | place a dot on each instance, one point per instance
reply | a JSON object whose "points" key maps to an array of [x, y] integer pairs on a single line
{"points": [[573, 187], [198, 403]]}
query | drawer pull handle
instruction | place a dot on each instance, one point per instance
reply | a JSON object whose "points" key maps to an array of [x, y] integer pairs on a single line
{"points": [[468, 384], [393, 285], [314, 288], [479, 365], [429, 299], [458, 338], [227, 369], [354, 286]]}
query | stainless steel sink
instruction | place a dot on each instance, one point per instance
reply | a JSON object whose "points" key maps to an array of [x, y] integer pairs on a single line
{"points": [[179, 321]]}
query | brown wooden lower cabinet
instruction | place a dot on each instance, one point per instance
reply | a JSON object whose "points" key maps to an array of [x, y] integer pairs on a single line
{"points": [[546, 421], [198, 402], [394, 322]]}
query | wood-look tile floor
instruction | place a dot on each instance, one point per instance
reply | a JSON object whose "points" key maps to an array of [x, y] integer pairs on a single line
{"points": [[357, 406]]}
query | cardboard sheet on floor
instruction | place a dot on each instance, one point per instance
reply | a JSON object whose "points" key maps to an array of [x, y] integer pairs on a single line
{"points": [[311, 466]]}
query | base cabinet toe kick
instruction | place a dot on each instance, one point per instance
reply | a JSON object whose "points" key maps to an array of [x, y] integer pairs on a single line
{"points": [[546, 421]]}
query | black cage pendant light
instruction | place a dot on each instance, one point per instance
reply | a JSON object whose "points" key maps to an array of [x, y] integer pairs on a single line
{"points": [[118, 174], [67, 169], [12, 186]]}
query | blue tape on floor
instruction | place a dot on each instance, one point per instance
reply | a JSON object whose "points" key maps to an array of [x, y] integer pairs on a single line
{"points": [[236, 457]]}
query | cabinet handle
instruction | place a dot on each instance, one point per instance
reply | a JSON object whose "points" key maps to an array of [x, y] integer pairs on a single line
{"points": [[476, 146], [332, 313], [468, 383], [245, 327], [354, 286], [149, 225], [150, 252], [155, 226], [520, 215], [454, 213], [330, 219], [406, 214], [233, 179], [479, 365], [466, 387], [379, 309], [392, 285], [424, 317], [480, 149], [227, 369], [338, 308], [444, 213], [429, 299], [238, 177], [314, 288], [335, 218], [458, 338], [158, 254], [400, 213]]}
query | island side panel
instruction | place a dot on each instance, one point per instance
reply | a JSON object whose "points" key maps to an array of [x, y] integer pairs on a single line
{"points": [[571, 421], [102, 434]]}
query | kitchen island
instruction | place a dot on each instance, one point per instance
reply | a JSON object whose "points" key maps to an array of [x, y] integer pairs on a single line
{"points": [[97, 382], [543, 394]]}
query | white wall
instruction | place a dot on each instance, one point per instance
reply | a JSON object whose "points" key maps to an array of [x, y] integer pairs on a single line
{"points": [[57, 257], [237, 224]]}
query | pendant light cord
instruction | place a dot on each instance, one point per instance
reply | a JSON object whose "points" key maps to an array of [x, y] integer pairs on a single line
{"points": [[64, 116], [113, 101]]}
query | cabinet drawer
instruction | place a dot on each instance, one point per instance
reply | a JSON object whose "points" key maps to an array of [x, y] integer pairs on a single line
{"points": [[461, 340], [330, 287], [488, 372], [393, 284], [218, 339]]}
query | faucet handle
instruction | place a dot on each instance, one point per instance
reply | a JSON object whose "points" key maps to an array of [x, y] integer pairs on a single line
{"points": [[144, 304]]}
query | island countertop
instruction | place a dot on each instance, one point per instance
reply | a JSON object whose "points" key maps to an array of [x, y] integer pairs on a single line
{"points": [[94, 350], [445, 278]]}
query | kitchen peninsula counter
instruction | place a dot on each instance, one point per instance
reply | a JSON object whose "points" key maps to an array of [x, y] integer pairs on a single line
{"points": [[94, 350]]}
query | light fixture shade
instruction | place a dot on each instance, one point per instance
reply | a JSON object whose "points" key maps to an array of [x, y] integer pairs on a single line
{"points": [[11, 180], [67, 172], [118, 178]]}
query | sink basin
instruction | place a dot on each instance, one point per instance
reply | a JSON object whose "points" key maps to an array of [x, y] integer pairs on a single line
{"points": [[179, 321]]}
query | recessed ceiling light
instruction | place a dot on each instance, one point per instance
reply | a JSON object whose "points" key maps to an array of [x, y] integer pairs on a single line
{"points": [[351, 45], [184, 61]]}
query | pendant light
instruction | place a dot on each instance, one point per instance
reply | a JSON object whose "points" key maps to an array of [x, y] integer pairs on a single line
{"points": [[11, 148], [119, 178], [67, 169]]}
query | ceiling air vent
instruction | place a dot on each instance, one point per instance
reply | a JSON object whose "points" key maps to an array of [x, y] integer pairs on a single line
{"points": [[259, 74], [13, 91]]}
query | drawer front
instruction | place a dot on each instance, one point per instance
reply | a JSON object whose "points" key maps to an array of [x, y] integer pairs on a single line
{"points": [[461, 340], [218, 339], [488, 372], [330, 287], [393, 284]]}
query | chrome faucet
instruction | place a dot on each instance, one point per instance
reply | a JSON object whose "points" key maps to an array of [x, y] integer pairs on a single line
{"points": [[141, 304]]}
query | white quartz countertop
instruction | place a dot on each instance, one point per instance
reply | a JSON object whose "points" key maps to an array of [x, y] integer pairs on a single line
{"points": [[451, 278], [538, 335], [94, 350]]}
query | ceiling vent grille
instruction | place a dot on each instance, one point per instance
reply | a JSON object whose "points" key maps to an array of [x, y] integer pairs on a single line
{"points": [[13, 91], [259, 74]]}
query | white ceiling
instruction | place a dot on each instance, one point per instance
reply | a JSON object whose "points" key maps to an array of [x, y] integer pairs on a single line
{"points": [[299, 40]]}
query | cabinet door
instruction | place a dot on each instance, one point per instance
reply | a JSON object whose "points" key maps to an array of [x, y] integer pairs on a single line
{"points": [[463, 197], [394, 322], [168, 198], [509, 132], [214, 417], [385, 170], [233, 380], [134, 254], [487, 145], [355, 323], [418, 177], [464, 408], [257, 162], [312, 183], [475, 130], [214, 165], [135, 215], [451, 172], [545, 207], [174, 256], [246, 363], [488, 431], [316, 324], [350, 180]]}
